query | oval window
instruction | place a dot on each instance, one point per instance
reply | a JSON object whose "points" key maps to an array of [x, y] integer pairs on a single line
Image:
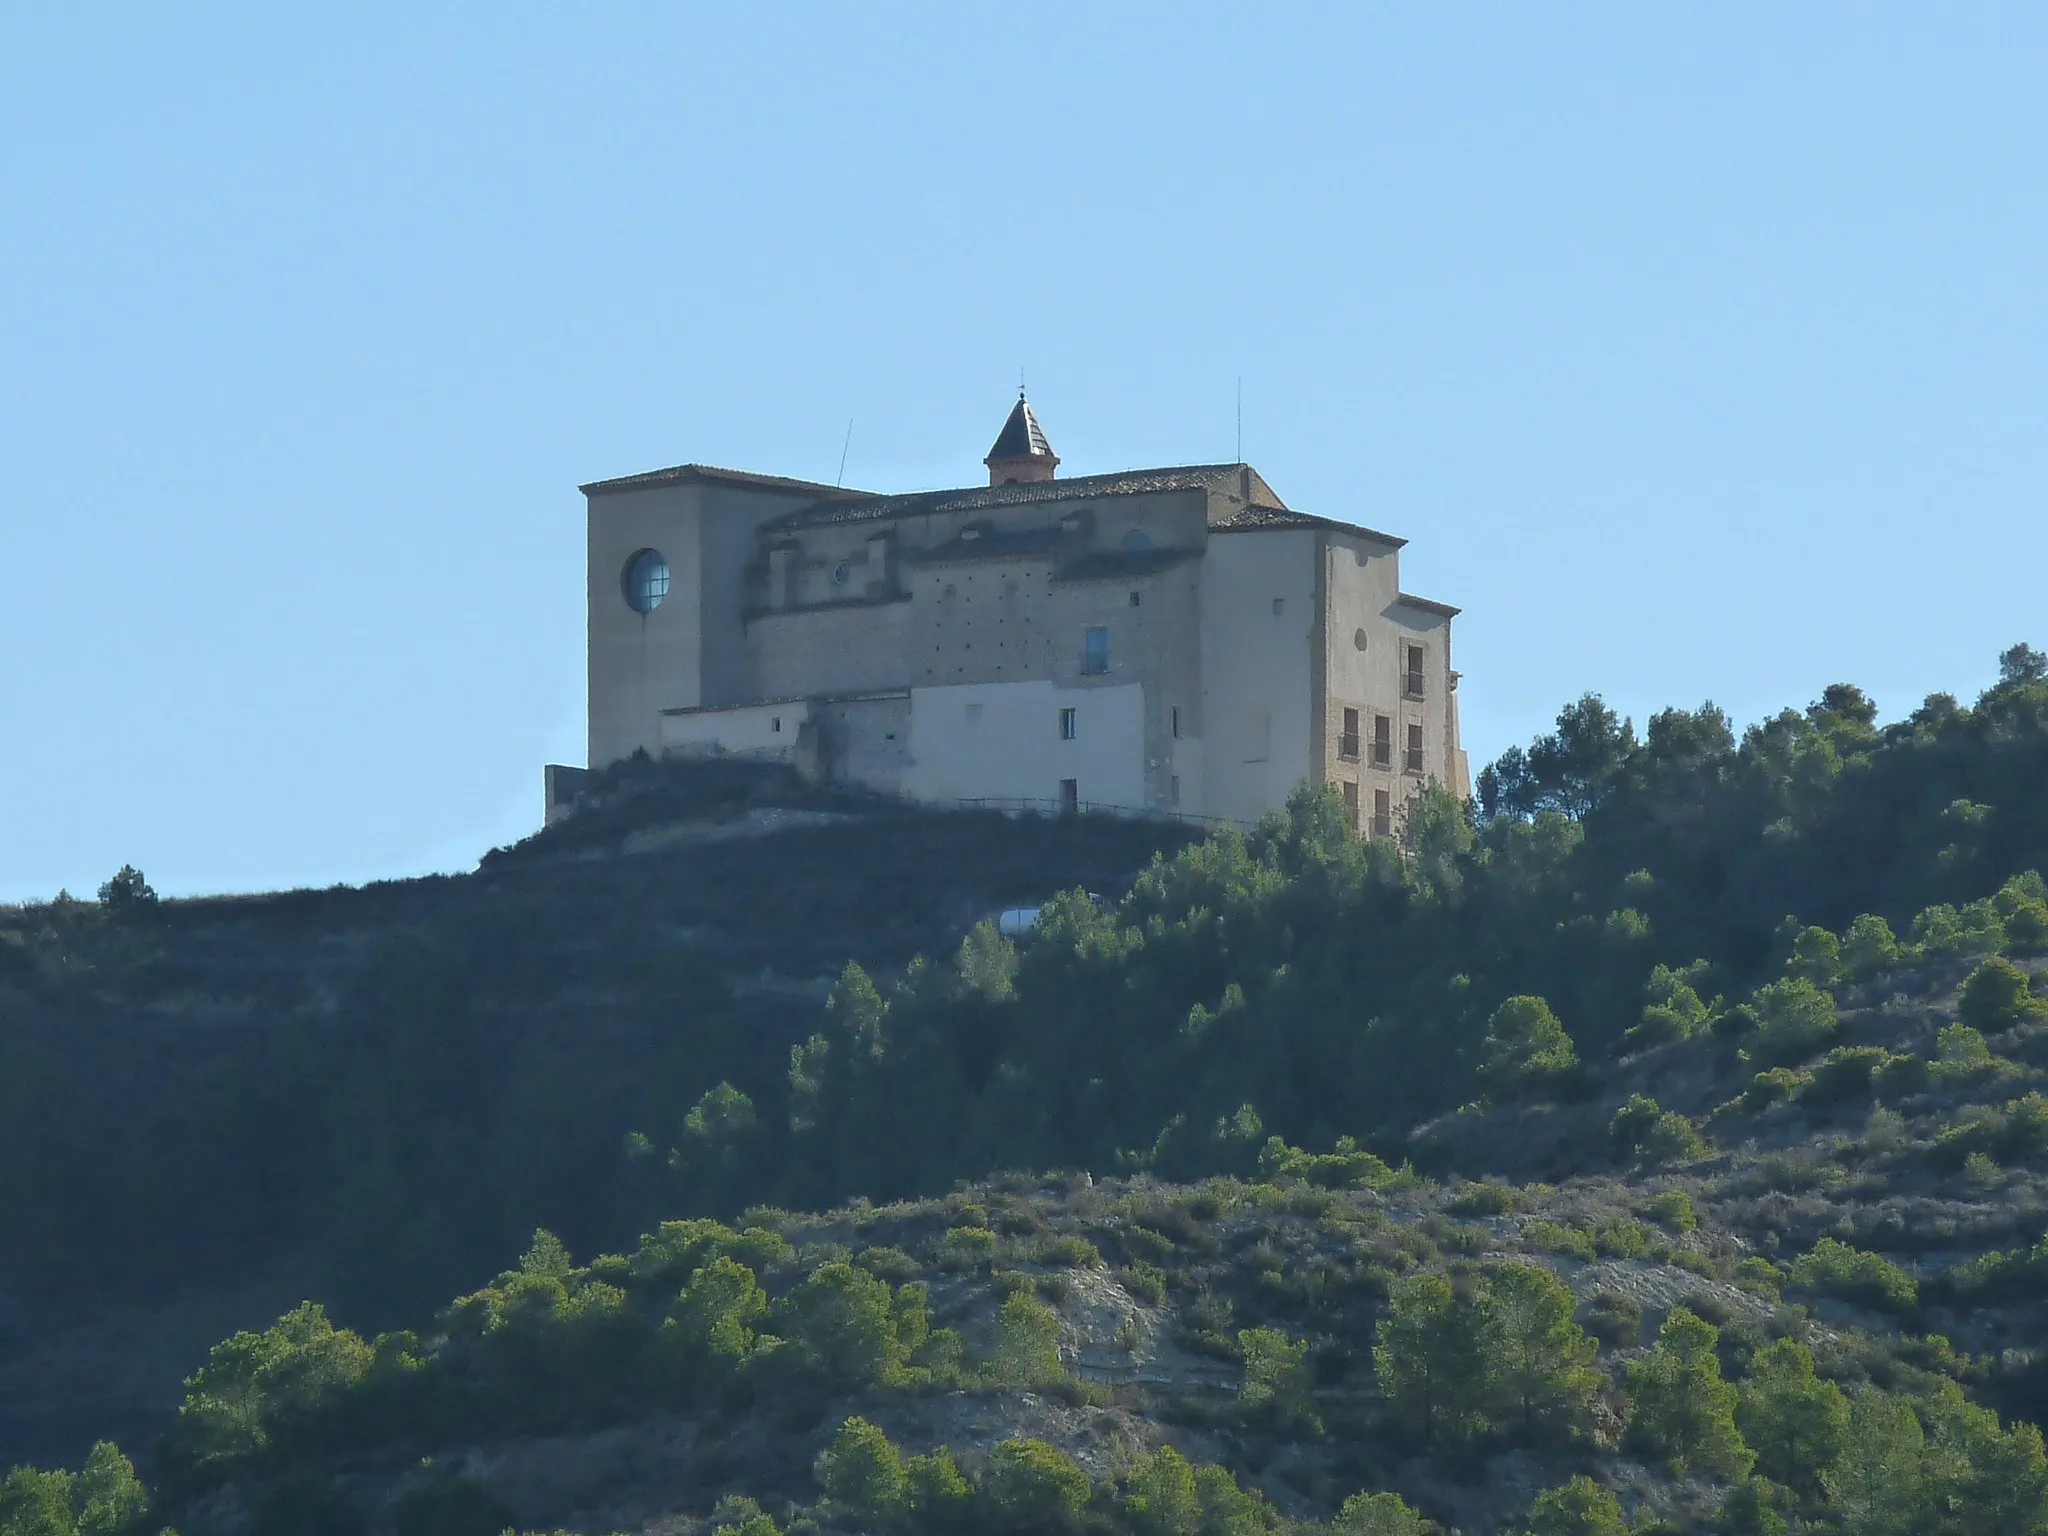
{"points": [[644, 582], [842, 573], [1358, 638]]}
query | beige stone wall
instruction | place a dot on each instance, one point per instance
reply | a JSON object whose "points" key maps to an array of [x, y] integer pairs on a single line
{"points": [[770, 732], [1259, 620], [865, 741], [640, 664], [1430, 714], [1362, 578]]}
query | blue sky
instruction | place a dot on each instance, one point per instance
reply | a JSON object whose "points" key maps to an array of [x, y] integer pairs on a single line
{"points": [[1700, 352]]}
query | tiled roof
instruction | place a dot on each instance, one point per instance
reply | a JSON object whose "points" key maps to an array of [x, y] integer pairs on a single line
{"points": [[1021, 437], [1254, 519], [1229, 479], [705, 474]]}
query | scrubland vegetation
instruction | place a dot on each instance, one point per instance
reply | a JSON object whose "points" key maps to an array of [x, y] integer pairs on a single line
{"points": [[1658, 1147]]}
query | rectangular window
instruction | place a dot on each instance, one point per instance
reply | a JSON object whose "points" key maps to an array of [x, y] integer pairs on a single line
{"points": [[1095, 652], [1382, 741], [1070, 796], [1173, 790], [1136, 599], [1351, 803], [1412, 759], [1258, 735], [1176, 722], [1069, 720], [1412, 684], [1347, 743], [1382, 813], [974, 714]]}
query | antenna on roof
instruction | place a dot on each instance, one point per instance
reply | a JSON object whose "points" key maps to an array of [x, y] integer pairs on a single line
{"points": [[1020, 381], [841, 480], [1240, 418]]}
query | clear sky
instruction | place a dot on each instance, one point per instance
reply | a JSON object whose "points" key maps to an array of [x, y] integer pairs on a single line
{"points": [[1701, 352]]}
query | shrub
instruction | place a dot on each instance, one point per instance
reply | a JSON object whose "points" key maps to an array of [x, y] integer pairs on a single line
{"points": [[1580, 1508], [1673, 1210], [1159, 1495], [1489, 1197], [967, 1248], [862, 1471], [1795, 1019], [1346, 1166], [1033, 1486], [1816, 957], [1525, 1046], [1553, 1237], [1777, 1086], [1867, 1279], [1620, 1237], [1672, 1009], [1869, 949], [1378, 1514], [1145, 1281], [939, 1495], [1648, 1133], [1998, 995], [891, 1264], [1069, 1251], [1615, 1320], [848, 1325], [1845, 1072]]}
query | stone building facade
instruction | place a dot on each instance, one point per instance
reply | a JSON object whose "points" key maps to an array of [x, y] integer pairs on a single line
{"points": [[1172, 640]]}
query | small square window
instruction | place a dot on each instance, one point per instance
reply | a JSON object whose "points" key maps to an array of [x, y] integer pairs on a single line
{"points": [[1069, 724], [1137, 598], [1279, 606]]}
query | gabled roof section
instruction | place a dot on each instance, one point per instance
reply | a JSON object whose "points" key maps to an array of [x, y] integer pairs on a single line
{"points": [[1427, 605], [705, 474], [1021, 437]]}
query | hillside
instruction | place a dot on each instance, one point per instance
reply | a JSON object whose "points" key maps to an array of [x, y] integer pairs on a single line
{"points": [[1544, 1173]]}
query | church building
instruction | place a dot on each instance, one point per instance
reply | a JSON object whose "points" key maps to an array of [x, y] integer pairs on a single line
{"points": [[1174, 640]]}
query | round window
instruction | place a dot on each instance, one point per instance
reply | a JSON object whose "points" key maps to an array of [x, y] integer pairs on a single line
{"points": [[645, 581], [842, 573], [1137, 539]]}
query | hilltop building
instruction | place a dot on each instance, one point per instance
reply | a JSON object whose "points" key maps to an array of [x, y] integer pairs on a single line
{"points": [[1172, 640]]}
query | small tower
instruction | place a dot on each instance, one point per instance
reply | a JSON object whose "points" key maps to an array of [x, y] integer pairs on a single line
{"points": [[1021, 454]]}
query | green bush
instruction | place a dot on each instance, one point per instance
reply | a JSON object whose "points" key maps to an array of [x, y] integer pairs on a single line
{"points": [[1378, 1514], [1069, 1252], [1028, 1353], [1846, 1072], [1276, 1377], [1489, 1197], [967, 1248], [863, 1473], [1620, 1237], [1615, 1320], [1525, 1047], [1554, 1237], [1777, 1086], [1816, 957], [1159, 1496], [1999, 995], [1033, 1486], [1869, 949], [1795, 1020], [1673, 1210], [1794, 1420], [1579, 1508], [1346, 1166], [1868, 1279], [1145, 1281], [1644, 1131]]}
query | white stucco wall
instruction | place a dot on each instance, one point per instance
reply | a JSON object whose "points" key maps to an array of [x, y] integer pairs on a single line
{"points": [[1256, 674], [1008, 746], [750, 730]]}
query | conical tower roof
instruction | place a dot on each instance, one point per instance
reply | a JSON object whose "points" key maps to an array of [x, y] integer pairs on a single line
{"points": [[1021, 451]]}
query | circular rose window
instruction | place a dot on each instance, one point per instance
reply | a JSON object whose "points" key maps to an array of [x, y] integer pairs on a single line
{"points": [[645, 581]]}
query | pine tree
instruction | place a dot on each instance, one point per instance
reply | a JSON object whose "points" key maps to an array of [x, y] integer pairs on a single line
{"points": [[863, 1471], [1683, 1409], [1540, 1361], [1793, 1420], [1580, 1507], [1430, 1358], [1875, 1485]]}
